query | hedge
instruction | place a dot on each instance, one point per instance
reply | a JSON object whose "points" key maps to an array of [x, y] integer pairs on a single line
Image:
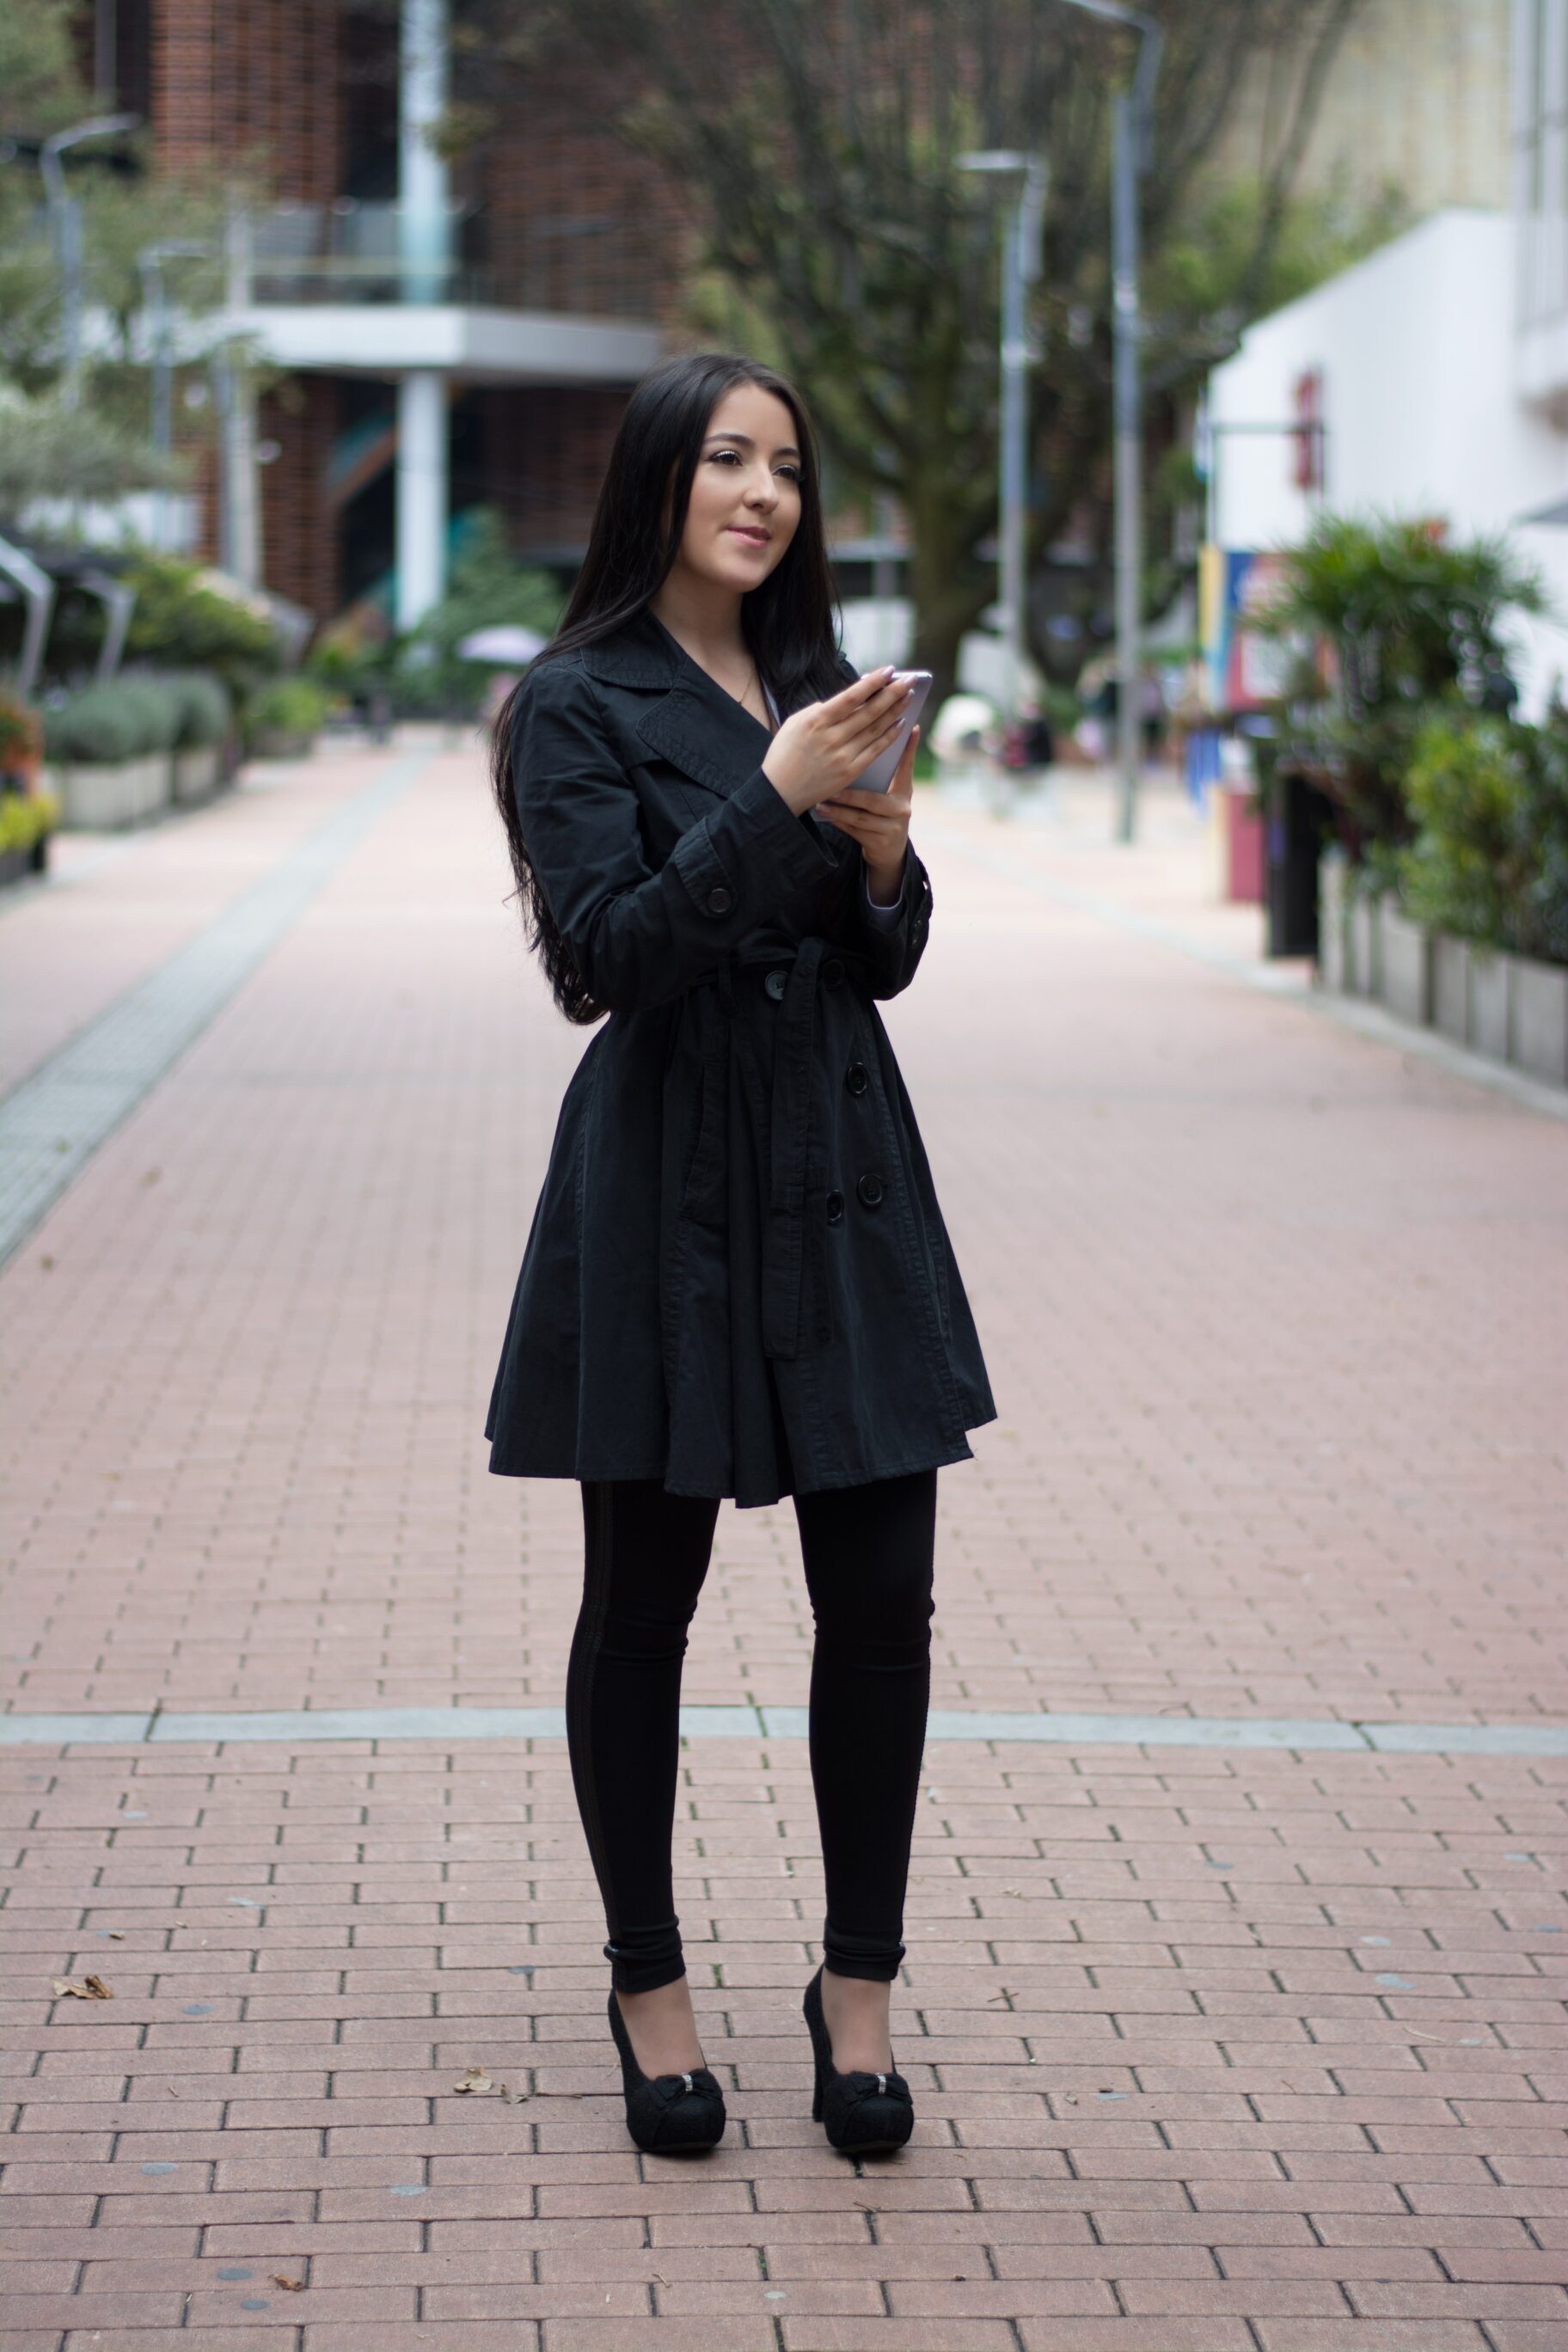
{"points": [[125, 719]]}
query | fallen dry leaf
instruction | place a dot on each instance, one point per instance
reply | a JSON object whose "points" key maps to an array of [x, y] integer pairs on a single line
{"points": [[117, 1935], [475, 2079], [513, 2098], [294, 2287], [81, 1988]]}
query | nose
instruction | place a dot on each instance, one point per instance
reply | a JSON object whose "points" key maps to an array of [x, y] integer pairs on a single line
{"points": [[762, 491]]}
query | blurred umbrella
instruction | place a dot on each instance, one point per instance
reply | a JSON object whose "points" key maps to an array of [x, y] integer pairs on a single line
{"points": [[510, 642]]}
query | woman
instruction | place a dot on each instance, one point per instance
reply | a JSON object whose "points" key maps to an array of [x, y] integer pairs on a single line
{"points": [[737, 1282]]}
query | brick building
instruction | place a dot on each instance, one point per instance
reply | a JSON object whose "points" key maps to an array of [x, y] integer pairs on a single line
{"points": [[436, 339]]}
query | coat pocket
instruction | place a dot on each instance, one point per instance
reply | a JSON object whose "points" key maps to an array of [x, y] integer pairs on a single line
{"points": [[702, 1183]]}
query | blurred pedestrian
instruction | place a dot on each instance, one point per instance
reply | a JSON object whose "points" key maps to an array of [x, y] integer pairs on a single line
{"points": [[1028, 745], [738, 1282], [1152, 715]]}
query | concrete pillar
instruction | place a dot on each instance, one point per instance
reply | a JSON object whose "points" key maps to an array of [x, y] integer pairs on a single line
{"points": [[424, 198], [421, 493]]}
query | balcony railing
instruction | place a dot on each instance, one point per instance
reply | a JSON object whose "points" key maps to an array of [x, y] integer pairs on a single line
{"points": [[349, 252]]}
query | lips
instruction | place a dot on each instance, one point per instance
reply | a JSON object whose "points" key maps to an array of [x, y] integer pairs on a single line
{"points": [[751, 537]]}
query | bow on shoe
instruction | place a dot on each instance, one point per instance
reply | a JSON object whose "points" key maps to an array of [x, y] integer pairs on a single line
{"points": [[846, 2094]]}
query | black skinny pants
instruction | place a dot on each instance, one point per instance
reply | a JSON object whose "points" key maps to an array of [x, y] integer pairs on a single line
{"points": [[868, 1552]]}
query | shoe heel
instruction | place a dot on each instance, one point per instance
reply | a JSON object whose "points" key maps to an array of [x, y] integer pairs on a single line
{"points": [[817, 2097]]}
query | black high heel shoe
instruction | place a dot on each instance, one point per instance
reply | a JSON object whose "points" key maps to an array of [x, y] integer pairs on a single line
{"points": [[667, 2114], [861, 2114]]}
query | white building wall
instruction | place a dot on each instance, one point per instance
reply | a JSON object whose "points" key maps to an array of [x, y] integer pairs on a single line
{"points": [[1425, 416]]}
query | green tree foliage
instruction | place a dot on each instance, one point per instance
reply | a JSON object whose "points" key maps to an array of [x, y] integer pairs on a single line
{"points": [[189, 618], [814, 146], [487, 587], [101, 448], [1395, 618]]}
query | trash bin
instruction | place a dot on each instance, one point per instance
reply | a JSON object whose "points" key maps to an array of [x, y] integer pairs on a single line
{"points": [[1299, 817]]}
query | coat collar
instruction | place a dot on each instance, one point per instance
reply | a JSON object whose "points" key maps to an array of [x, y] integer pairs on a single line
{"points": [[638, 654]]}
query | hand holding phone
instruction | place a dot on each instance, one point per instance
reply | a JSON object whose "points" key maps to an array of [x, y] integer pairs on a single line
{"points": [[877, 777], [824, 747]]}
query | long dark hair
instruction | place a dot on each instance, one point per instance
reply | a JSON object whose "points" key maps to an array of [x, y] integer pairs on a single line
{"points": [[788, 621]]}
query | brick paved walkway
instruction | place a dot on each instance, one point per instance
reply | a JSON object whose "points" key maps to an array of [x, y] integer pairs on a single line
{"points": [[1213, 2048]]}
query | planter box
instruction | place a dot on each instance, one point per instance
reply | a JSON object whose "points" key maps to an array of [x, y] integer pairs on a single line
{"points": [[100, 799], [196, 774], [1537, 1034], [1490, 1025], [1364, 974], [280, 743], [1406, 967], [1451, 986], [1333, 959], [20, 864]]}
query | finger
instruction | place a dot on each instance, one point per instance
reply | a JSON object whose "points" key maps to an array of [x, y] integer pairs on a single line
{"points": [[850, 699], [872, 710], [877, 730], [902, 790], [906, 767]]}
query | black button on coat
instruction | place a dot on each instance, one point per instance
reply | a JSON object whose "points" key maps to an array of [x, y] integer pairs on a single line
{"points": [[694, 1304]]}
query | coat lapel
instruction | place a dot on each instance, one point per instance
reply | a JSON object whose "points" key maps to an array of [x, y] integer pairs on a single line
{"points": [[683, 715]]}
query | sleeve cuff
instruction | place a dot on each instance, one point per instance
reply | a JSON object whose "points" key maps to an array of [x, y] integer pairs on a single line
{"points": [[886, 919]]}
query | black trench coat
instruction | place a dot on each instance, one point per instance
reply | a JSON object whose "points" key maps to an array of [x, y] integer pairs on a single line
{"points": [[738, 1280]]}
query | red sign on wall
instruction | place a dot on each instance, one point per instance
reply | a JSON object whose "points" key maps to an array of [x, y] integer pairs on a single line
{"points": [[1307, 441]]}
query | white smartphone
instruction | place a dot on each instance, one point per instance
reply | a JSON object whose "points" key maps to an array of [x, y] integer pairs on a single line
{"points": [[878, 776]]}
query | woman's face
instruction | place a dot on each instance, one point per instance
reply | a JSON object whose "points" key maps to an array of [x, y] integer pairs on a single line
{"points": [[745, 494]]}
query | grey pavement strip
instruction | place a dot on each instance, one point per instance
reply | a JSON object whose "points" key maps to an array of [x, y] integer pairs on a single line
{"points": [[55, 1117], [447, 1726], [1367, 1020]]}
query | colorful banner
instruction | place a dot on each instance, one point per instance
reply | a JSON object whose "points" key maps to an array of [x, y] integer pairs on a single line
{"points": [[1244, 671]]}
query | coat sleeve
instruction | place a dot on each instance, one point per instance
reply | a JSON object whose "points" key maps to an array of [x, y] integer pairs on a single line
{"points": [[640, 938], [893, 948]]}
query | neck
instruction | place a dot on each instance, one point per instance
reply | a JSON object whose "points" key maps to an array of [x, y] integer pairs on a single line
{"points": [[703, 616]]}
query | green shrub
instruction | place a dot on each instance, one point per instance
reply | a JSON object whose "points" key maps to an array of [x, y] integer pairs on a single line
{"points": [[289, 706], [125, 719], [25, 818], [1489, 799], [206, 711]]}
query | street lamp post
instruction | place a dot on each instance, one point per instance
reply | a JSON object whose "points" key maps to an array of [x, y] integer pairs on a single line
{"points": [[154, 294], [65, 212], [1129, 160], [1020, 268]]}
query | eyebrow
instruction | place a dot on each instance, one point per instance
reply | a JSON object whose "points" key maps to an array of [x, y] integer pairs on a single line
{"points": [[784, 449]]}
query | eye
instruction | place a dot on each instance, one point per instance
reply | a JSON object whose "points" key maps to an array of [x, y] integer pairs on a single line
{"points": [[791, 474], [717, 456]]}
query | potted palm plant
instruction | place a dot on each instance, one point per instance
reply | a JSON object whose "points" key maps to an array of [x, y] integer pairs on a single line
{"points": [[1406, 623]]}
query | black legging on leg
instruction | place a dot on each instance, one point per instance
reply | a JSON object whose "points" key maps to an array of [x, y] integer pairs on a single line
{"points": [[868, 1552]]}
